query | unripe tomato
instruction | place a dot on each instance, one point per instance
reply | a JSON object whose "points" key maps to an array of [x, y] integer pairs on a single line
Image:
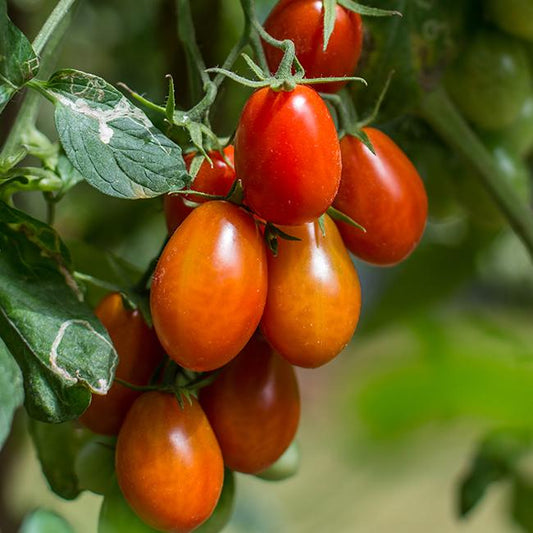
{"points": [[285, 467], [168, 462], [216, 179], [139, 354], [513, 16], [383, 193], [314, 296], [491, 80], [302, 21], [287, 155], [254, 407], [95, 464], [209, 286]]}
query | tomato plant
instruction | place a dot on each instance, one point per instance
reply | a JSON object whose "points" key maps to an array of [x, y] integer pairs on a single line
{"points": [[287, 155], [384, 193], [314, 296], [302, 22], [168, 462], [213, 178], [139, 354], [209, 287], [254, 407]]}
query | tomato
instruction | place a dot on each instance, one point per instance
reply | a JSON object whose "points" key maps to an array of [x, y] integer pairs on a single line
{"points": [[302, 21], [254, 407], [95, 464], [215, 179], [513, 16], [168, 462], [285, 467], [209, 286], [224, 509], [314, 296], [491, 80], [139, 354], [287, 155], [383, 193]]}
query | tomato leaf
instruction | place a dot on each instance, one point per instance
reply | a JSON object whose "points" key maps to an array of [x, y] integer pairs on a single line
{"points": [[11, 391], [57, 446], [366, 10], [329, 20], [111, 142], [61, 347], [43, 521], [18, 61]]}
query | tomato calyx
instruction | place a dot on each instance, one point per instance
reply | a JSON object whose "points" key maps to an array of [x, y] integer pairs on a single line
{"points": [[272, 234]]}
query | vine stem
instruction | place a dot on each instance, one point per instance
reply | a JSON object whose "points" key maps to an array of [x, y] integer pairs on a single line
{"points": [[440, 112], [51, 25]]}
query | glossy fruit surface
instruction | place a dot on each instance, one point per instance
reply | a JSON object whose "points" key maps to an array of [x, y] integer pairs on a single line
{"points": [[383, 193], [287, 155], [285, 467], [213, 179], [302, 21], [139, 354], [491, 80], [224, 509], [254, 407], [168, 463], [314, 296], [209, 286]]}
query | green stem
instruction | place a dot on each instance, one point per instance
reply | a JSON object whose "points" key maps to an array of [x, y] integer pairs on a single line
{"points": [[86, 278], [52, 24], [447, 121]]}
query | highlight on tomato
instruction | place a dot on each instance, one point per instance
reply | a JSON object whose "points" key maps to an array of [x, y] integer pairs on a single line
{"points": [[209, 286], [287, 155], [254, 407], [314, 296], [385, 194], [139, 353], [168, 462], [302, 21], [216, 177]]}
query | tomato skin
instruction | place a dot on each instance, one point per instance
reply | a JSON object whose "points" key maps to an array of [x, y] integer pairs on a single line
{"points": [[301, 21], [383, 193], [216, 179], [314, 296], [209, 286], [287, 155], [139, 354], [168, 463], [254, 407]]}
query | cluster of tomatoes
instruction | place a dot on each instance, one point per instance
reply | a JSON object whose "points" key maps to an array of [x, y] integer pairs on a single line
{"points": [[228, 311]]}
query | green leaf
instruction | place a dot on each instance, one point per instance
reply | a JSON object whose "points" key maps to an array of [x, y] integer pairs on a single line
{"points": [[57, 446], [63, 350], [18, 62], [11, 391], [116, 516], [329, 20], [368, 11], [43, 521], [111, 142]]}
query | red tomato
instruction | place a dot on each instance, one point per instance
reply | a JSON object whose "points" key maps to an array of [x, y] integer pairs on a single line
{"points": [[168, 463], [302, 21], [139, 354], [314, 296], [209, 286], [216, 179], [383, 193], [254, 407], [287, 155]]}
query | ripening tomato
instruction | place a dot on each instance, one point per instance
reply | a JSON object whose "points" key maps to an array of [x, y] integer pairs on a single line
{"points": [[287, 155], [254, 407], [209, 286], [314, 296], [302, 21], [383, 193], [168, 462], [215, 179], [139, 354]]}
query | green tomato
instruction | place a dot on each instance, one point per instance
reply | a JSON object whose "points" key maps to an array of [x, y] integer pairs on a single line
{"points": [[513, 16], [95, 464], [491, 80], [224, 509], [285, 467], [116, 516]]}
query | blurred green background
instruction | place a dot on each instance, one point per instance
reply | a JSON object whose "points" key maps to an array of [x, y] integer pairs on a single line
{"points": [[443, 353]]}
